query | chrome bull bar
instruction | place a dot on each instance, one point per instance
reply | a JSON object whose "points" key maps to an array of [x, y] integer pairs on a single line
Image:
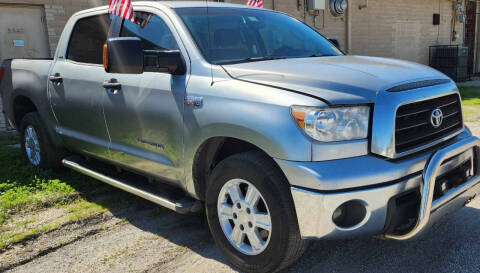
{"points": [[427, 205]]}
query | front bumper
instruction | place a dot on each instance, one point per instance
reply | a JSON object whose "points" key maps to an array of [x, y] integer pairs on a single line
{"points": [[315, 207]]}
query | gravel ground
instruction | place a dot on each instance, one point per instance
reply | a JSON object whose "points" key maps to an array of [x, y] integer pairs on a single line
{"points": [[157, 240], [143, 237]]}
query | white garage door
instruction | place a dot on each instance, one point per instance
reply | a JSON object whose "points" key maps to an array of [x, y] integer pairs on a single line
{"points": [[22, 32], [22, 35]]}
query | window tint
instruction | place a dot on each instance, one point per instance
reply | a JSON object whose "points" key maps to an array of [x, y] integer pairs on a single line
{"points": [[88, 37], [152, 30]]}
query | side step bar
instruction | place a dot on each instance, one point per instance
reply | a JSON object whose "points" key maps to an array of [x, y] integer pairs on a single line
{"points": [[181, 205]]}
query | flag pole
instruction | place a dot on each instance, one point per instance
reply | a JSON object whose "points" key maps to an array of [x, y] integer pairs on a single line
{"points": [[209, 42]]}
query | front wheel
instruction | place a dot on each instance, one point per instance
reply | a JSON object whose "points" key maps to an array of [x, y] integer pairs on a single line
{"points": [[251, 214]]}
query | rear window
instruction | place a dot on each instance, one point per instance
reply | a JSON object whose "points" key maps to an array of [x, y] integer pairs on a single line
{"points": [[88, 37]]}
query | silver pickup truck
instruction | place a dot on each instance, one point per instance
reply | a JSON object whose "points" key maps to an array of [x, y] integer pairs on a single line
{"points": [[255, 117]]}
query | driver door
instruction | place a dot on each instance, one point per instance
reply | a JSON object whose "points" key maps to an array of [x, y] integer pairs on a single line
{"points": [[145, 116]]}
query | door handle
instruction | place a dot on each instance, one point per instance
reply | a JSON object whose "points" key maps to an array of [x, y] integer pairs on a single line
{"points": [[112, 85], [56, 78]]}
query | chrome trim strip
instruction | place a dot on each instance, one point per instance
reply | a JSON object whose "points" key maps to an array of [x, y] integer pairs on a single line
{"points": [[427, 205], [430, 144]]}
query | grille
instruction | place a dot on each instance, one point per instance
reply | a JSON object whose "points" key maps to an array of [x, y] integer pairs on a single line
{"points": [[413, 127]]}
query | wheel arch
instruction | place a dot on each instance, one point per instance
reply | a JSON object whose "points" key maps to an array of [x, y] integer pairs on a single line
{"points": [[22, 105], [211, 152]]}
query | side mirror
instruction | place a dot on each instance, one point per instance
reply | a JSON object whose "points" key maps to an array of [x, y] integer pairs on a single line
{"points": [[170, 61], [335, 42], [123, 55]]}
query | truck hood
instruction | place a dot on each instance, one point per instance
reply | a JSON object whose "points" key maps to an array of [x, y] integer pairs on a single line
{"points": [[338, 80]]}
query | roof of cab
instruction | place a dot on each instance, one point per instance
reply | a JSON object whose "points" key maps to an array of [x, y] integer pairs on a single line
{"points": [[192, 4], [173, 5]]}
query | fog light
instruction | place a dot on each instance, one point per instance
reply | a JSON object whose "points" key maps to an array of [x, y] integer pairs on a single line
{"points": [[349, 214]]}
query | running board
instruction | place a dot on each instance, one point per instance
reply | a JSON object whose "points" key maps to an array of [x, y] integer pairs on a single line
{"points": [[180, 204]]}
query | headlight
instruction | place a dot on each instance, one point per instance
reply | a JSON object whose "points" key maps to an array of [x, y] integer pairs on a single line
{"points": [[333, 124]]}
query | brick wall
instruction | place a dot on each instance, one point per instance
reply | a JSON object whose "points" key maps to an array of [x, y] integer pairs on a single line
{"points": [[57, 13], [401, 29]]}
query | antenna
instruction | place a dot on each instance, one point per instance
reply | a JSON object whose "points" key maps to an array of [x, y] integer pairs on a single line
{"points": [[209, 41]]}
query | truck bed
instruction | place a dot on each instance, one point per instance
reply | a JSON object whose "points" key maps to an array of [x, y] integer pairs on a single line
{"points": [[24, 77]]}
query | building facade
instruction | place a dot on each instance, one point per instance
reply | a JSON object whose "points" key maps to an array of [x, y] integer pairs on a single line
{"points": [[386, 28]]}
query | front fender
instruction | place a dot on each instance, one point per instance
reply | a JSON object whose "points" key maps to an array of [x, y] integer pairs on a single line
{"points": [[269, 127], [252, 113]]}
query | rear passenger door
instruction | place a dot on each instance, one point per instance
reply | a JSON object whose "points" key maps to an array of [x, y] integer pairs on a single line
{"points": [[145, 117], [76, 87]]}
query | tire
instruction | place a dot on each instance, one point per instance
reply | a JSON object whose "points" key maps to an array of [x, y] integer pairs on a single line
{"points": [[49, 156], [283, 244]]}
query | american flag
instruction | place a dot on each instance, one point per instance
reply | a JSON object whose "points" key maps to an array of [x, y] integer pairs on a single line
{"points": [[122, 8], [255, 3]]}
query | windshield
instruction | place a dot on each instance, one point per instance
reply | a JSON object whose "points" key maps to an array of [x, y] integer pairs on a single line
{"points": [[233, 35]]}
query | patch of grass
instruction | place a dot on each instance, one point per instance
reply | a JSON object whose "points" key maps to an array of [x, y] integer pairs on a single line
{"points": [[24, 235], [24, 188], [49, 227], [40, 192], [8, 139], [471, 113], [8, 238], [83, 209], [471, 103], [3, 215], [61, 242], [121, 253], [470, 95], [25, 222]]}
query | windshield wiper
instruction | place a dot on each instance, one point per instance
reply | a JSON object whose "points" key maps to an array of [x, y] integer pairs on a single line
{"points": [[253, 59], [321, 55]]}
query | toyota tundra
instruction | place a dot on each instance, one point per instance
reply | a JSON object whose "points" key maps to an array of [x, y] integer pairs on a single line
{"points": [[252, 116]]}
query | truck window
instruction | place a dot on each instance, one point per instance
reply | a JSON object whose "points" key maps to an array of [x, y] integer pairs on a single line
{"points": [[88, 37], [229, 35], [152, 31]]}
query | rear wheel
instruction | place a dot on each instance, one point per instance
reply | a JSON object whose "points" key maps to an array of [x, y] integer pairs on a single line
{"points": [[251, 214], [37, 148]]}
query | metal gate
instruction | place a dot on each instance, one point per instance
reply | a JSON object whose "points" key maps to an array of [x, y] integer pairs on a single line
{"points": [[471, 39]]}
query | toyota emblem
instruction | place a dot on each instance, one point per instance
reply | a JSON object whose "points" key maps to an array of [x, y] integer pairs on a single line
{"points": [[436, 118]]}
